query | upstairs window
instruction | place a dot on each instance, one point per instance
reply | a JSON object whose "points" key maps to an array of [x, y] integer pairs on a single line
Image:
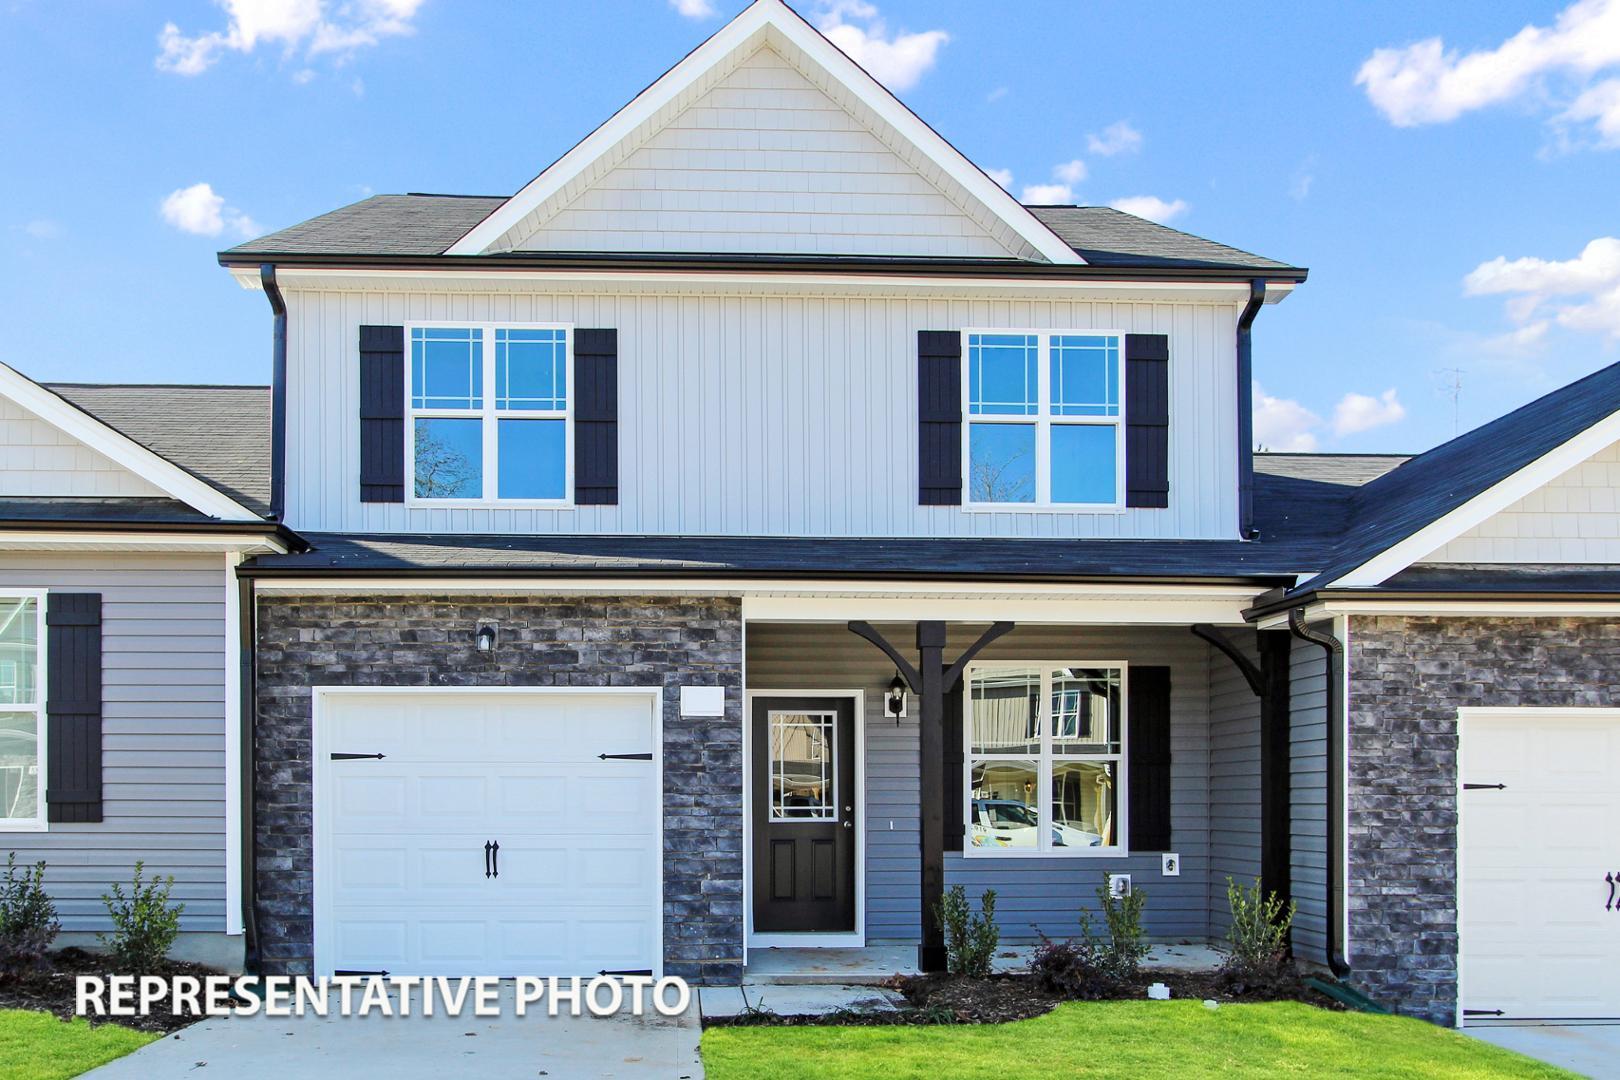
{"points": [[1045, 413], [490, 414]]}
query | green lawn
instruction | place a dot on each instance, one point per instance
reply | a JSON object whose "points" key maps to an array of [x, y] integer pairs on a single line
{"points": [[38, 1046], [1131, 1040]]}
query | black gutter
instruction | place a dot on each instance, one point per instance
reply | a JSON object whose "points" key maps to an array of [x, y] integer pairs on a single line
{"points": [[293, 541], [249, 761], [1397, 596], [1334, 650], [1245, 406], [766, 263], [278, 391]]}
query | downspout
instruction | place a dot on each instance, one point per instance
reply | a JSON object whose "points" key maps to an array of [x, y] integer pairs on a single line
{"points": [[1334, 900], [1245, 434], [278, 392], [247, 651]]}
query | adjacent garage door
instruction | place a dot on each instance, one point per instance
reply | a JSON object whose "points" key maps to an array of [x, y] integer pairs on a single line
{"points": [[486, 833], [1540, 864]]}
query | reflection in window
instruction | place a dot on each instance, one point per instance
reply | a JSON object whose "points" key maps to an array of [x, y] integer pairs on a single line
{"points": [[1001, 468], [803, 776], [1005, 811], [449, 458], [1004, 712], [1085, 710], [20, 680], [447, 368]]}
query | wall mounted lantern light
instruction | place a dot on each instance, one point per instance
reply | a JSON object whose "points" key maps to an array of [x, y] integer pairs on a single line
{"points": [[895, 701], [486, 638]]}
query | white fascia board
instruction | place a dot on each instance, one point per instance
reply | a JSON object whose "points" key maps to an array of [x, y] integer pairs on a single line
{"points": [[135, 540], [745, 32], [171, 478], [1531, 607], [1493, 500]]}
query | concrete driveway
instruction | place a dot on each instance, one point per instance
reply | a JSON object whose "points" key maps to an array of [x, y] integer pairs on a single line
{"points": [[429, 1048], [1588, 1049]]}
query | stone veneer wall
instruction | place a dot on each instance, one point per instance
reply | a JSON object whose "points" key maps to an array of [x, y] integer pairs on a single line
{"points": [[428, 641], [1408, 677]]}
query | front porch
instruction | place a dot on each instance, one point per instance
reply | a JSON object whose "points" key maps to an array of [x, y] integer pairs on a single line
{"points": [[1177, 813]]}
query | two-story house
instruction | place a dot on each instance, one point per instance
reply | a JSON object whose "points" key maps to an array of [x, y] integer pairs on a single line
{"points": [[761, 522]]}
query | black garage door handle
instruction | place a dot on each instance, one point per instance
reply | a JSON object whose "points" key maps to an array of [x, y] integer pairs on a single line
{"points": [[495, 853]]}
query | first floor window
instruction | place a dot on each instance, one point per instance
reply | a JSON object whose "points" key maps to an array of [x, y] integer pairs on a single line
{"points": [[21, 714], [1044, 418], [490, 413], [1045, 757]]}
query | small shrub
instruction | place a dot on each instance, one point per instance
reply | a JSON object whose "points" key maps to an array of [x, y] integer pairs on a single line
{"points": [[970, 940], [1123, 949], [1074, 968], [28, 923], [1258, 937], [145, 924]]}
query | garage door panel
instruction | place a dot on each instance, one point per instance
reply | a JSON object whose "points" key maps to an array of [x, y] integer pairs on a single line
{"points": [[403, 887]]}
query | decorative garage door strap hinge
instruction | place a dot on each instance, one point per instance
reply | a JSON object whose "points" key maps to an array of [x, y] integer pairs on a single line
{"points": [[624, 757], [629, 971], [353, 757], [342, 972], [1483, 1012], [1479, 787]]}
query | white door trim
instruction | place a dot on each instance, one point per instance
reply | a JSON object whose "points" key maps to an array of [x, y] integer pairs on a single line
{"points": [[1486, 712], [857, 938], [320, 803]]}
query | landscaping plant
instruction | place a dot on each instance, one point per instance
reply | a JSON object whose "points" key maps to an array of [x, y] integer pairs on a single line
{"points": [[145, 924], [1258, 958], [28, 923], [970, 940], [1095, 965], [1123, 947]]}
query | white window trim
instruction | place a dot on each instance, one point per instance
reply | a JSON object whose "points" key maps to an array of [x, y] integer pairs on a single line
{"points": [[1044, 760], [1043, 421], [38, 823], [489, 416]]}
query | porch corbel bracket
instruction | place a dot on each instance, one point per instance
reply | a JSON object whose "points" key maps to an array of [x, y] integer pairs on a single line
{"points": [[907, 672], [1251, 671], [954, 672]]}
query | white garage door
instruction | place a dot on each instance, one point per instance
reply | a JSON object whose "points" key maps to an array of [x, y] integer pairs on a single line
{"points": [[408, 877], [1540, 865]]}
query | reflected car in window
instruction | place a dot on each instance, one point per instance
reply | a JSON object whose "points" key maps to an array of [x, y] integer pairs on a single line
{"points": [[1009, 824]]}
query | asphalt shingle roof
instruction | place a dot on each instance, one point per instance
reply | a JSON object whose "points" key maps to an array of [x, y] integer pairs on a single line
{"points": [[220, 434], [427, 225], [113, 510]]}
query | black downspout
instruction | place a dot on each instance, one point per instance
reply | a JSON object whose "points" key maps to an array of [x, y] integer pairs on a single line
{"points": [[247, 627], [1334, 650], [278, 392], [1245, 403]]}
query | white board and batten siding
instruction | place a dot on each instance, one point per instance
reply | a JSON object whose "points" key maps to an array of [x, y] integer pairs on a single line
{"points": [[759, 415], [1047, 894], [41, 459], [163, 733], [1573, 518]]}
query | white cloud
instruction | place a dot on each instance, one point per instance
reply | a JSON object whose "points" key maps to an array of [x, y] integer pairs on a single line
{"points": [[1071, 172], [1582, 293], [1427, 83], [694, 9], [1000, 176], [1117, 138], [897, 62], [314, 26], [199, 210], [1152, 207], [1282, 423], [41, 229], [1361, 412], [997, 94], [1048, 194]]}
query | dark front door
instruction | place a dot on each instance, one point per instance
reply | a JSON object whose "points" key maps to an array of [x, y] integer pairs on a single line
{"points": [[804, 814]]}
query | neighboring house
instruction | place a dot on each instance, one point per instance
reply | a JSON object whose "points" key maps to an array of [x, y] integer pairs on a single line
{"points": [[761, 522]]}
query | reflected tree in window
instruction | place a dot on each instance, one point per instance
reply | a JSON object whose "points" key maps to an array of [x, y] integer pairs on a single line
{"points": [[442, 471]]}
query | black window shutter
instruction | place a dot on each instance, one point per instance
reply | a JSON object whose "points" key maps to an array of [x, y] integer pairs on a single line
{"points": [[73, 707], [1147, 420], [1148, 755], [596, 417], [955, 781], [939, 417], [382, 414]]}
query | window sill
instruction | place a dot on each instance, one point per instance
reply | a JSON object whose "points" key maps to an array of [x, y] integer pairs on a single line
{"points": [[1045, 508], [23, 826], [488, 504], [969, 852]]}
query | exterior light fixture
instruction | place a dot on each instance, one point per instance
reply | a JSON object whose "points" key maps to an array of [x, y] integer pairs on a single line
{"points": [[895, 701], [486, 638]]}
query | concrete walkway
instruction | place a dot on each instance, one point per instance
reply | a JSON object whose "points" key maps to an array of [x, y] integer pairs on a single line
{"points": [[1588, 1049], [423, 1048]]}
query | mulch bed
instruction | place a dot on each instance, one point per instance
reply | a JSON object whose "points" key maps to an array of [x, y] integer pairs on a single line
{"points": [[51, 990]]}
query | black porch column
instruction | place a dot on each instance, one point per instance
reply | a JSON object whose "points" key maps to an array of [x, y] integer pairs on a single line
{"points": [[1276, 781], [931, 790]]}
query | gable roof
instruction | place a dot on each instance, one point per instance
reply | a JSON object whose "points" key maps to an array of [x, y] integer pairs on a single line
{"points": [[425, 226], [1416, 507]]}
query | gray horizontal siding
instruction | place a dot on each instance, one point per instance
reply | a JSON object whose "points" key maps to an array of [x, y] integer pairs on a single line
{"points": [[1033, 895], [163, 733], [1234, 778], [1308, 810]]}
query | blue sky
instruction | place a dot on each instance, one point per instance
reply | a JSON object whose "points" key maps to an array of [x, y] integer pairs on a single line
{"points": [[1457, 205]]}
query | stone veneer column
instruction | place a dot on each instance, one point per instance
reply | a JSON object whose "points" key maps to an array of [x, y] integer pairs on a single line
{"points": [[305, 642]]}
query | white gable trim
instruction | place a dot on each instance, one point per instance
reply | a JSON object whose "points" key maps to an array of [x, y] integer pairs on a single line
{"points": [[122, 450], [1493, 500], [736, 36]]}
